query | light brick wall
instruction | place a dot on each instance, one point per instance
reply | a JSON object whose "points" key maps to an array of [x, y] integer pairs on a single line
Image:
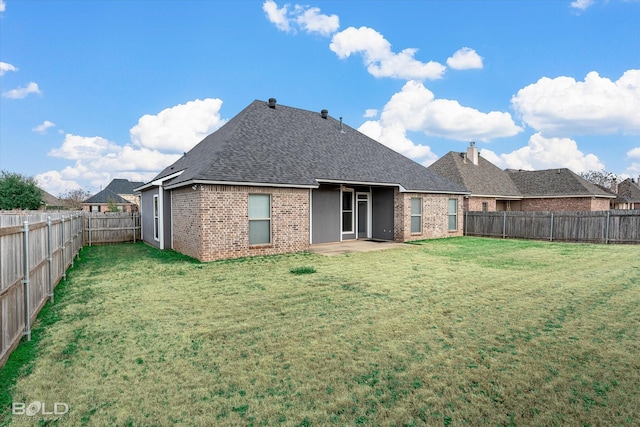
{"points": [[435, 218], [565, 204], [212, 222], [475, 203]]}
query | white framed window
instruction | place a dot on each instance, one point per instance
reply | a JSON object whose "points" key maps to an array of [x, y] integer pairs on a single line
{"points": [[347, 211], [259, 219], [453, 214], [95, 208], [156, 218], [416, 215]]}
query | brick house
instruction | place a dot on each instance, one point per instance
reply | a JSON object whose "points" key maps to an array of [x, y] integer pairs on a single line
{"points": [[276, 179], [627, 194], [119, 193], [494, 189], [491, 188]]}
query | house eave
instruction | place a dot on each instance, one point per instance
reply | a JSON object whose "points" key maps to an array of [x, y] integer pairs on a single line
{"points": [[572, 196], [157, 182], [388, 184], [238, 183]]}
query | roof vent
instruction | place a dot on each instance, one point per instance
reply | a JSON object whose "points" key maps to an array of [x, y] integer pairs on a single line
{"points": [[324, 113], [272, 103]]}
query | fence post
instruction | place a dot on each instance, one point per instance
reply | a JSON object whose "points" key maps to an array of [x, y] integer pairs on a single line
{"points": [[464, 233], [50, 258], [89, 227], [134, 217], [72, 238], [64, 258], [551, 237], [26, 285], [606, 233], [504, 224]]}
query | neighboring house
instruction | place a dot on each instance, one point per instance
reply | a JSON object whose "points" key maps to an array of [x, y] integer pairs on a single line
{"points": [[119, 193], [555, 190], [275, 179], [494, 189], [51, 202], [628, 194], [491, 188]]}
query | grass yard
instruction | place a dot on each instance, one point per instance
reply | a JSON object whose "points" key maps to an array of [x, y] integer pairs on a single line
{"points": [[461, 331]]}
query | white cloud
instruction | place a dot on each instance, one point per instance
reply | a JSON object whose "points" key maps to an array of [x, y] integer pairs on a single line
{"points": [[634, 153], [77, 147], [42, 128], [378, 57], [415, 108], [312, 21], [546, 153], [3, 6], [565, 107], [308, 19], [22, 91], [581, 4], [276, 16], [465, 59], [5, 66], [178, 129], [370, 112], [54, 183]]}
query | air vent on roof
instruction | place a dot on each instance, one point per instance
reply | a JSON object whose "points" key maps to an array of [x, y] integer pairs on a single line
{"points": [[324, 113], [272, 103]]}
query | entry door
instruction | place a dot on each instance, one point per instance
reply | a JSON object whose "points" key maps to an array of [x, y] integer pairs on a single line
{"points": [[363, 215]]}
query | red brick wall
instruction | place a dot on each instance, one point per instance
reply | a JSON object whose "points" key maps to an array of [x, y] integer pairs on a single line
{"points": [[212, 222], [565, 204], [435, 219]]}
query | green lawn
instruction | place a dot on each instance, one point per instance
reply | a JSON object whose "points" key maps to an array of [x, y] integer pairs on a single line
{"points": [[461, 331]]}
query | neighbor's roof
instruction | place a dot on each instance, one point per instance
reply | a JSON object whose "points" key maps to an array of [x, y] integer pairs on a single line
{"points": [[483, 179], [293, 147], [629, 191], [123, 186], [106, 196], [555, 183]]}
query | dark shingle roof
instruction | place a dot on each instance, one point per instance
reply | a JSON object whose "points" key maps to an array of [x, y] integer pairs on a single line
{"points": [[629, 191], [291, 146], [554, 183], [106, 196], [122, 186], [483, 179]]}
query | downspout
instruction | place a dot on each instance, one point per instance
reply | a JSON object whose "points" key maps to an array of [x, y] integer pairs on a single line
{"points": [[161, 216]]}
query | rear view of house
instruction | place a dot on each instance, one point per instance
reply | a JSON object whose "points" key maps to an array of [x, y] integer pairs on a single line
{"points": [[276, 179]]}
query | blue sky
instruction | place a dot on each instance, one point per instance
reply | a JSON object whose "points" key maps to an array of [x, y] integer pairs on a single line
{"points": [[95, 90]]}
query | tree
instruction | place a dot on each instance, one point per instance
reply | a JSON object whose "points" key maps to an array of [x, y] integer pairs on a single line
{"points": [[75, 197], [19, 192], [602, 177], [112, 205]]}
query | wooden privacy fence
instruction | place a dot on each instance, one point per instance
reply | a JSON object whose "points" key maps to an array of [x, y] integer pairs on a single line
{"points": [[35, 251], [111, 227], [615, 226]]}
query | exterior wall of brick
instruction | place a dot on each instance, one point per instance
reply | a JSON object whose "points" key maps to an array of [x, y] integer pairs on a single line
{"points": [[212, 222], [475, 203], [565, 204], [435, 218]]}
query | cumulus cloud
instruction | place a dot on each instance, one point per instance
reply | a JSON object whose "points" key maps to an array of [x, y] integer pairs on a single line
{"points": [[178, 129], [563, 106], [465, 59], [156, 142], [22, 92], [370, 112], [546, 153], [378, 57], [3, 6], [5, 66], [634, 153], [581, 4], [305, 18], [42, 128], [415, 108]]}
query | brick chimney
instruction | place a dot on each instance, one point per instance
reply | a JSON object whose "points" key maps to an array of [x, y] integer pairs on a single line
{"points": [[472, 153]]}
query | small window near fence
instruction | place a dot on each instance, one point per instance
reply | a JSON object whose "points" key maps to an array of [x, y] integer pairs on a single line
{"points": [[453, 214], [259, 219]]}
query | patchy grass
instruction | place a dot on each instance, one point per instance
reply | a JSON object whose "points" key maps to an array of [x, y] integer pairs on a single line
{"points": [[443, 332]]}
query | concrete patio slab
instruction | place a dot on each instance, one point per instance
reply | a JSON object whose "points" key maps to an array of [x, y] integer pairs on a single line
{"points": [[352, 246]]}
